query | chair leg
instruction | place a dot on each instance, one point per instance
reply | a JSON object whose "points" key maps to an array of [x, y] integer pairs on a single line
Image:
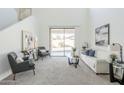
{"points": [[14, 76], [75, 65], [34, 71]]}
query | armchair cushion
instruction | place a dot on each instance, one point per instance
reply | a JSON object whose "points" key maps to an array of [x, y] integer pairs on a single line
{"points": [[43, 50], [25, 64], [19, 60]]}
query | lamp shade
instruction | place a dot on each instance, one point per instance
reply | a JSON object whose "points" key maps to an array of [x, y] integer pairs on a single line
{"points": [[84, 44], [115, 47]]}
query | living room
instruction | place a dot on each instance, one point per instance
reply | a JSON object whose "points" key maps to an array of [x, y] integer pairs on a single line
{"points": [[85, 23], [61, 42]]}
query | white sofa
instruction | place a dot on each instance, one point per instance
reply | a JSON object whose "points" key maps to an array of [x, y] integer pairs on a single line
{"points": [[97, 64]]}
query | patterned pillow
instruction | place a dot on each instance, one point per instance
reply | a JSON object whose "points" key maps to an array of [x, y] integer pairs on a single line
{"points": [[86, 52], [92, 53], [19, 60]]}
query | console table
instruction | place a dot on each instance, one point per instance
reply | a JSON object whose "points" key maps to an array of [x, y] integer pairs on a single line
{"points": [[116, 72]]}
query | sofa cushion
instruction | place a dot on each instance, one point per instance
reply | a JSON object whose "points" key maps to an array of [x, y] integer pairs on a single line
{"points": [[84, 52], [92, 53], [87, 52]]}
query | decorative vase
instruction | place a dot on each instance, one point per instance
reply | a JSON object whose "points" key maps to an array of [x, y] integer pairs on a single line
{"points": [[113, 59]]}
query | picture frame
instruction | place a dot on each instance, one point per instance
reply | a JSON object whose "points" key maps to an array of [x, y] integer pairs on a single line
{"points": [[28, 41], [102, 35]]}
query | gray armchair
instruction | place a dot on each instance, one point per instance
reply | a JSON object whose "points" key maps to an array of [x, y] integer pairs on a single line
{"points": [[19, 67], [42, 52]]}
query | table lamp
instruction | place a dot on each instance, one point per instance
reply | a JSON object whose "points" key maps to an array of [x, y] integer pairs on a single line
{"points": [[117, 47]]}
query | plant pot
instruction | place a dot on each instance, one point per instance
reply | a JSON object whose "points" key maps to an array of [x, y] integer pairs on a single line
{"points": [[113, 59]]}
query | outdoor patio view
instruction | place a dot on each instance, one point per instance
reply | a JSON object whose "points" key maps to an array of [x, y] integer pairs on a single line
{"points": [[62, 41]]}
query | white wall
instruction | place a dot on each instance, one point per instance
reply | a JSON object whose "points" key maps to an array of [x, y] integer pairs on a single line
{"points": [[115, 17], [10, 40], [8, 16], [62, 17]]}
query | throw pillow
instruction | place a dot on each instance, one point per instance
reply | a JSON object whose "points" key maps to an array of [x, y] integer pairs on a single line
{"points": [[19, 60], [92, 53], [87, 52], [43, 51]]}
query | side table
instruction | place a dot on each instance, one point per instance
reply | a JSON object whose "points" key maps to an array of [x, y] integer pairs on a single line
{"points": [[114, 69]]}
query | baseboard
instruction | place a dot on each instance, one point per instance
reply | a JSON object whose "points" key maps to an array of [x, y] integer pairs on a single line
{"points": [[6, 74], [102, 73]]}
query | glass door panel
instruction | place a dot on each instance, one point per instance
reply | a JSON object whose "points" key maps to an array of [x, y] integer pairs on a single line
{"points": [[57, 42], [69, 40]]}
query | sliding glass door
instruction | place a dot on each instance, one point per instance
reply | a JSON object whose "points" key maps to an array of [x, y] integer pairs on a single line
{"points": [[61, 41]]}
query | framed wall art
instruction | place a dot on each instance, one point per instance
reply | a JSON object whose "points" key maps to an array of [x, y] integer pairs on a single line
{"points": [[23, 13], [102, 35], [28, 41]]}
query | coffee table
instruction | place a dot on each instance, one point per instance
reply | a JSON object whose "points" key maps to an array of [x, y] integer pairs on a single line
{"points": [[73, 60]]}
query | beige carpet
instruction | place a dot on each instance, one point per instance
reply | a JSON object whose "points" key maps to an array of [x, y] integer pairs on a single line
{"points": [[56, 71]]}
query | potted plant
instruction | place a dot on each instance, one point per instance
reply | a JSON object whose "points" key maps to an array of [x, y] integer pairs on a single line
{"points": [[74, 51], [113, 57]]}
